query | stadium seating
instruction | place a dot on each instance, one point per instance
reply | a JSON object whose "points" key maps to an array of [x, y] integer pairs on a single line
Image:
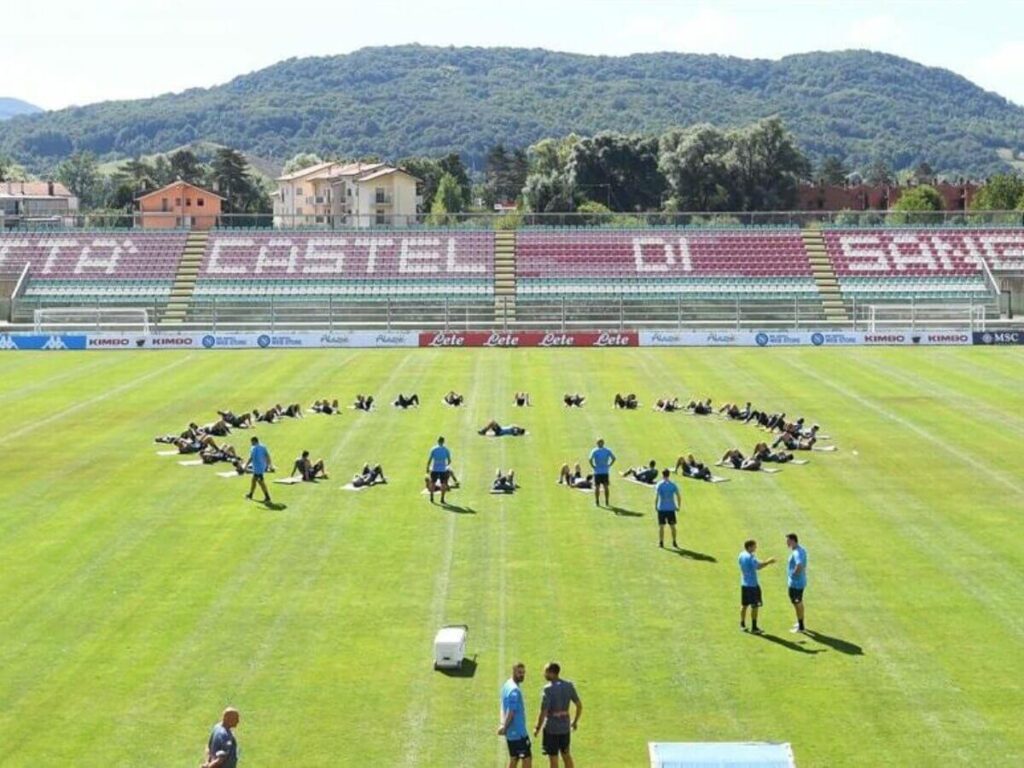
{"points": [[933, 264], [94, 267], [347, 265], [698, 264]]}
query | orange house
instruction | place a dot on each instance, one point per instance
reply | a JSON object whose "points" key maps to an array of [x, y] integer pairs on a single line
{"points": [[179, 205]]}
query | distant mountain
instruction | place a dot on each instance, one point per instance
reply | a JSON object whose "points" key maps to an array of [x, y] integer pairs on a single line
{"points": [[412, 99], [12, 107]]}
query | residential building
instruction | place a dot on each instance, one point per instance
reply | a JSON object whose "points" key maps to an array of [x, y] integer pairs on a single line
{"points": [[346, 195], [865, 197], [36, 201], [179, 205]]}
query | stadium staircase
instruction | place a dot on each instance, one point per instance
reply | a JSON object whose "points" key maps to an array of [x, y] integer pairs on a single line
{"points": [[185, 279], [504, 276], [824, 276]]}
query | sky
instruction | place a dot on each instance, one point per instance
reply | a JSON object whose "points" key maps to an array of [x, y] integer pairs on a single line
{"points": [[64, 52]]}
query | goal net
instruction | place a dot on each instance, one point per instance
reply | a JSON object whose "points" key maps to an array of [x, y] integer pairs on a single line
{"points": [[130, 320], [936, 316]]}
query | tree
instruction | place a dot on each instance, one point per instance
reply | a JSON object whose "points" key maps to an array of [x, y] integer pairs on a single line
{"points": [[11, 171], [504, 174], [447, 200], [451, 164], [549, 193], [833, 171], [427, 170], [767, 166], [695, 167], [923, 173], [618, 170], [879, 174], [80, 174], [139, 174], [301, 161], [1002, 192], [916, 203], [230, 173], [185, 165]]}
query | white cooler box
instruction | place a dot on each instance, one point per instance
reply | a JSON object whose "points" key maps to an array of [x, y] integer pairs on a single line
{"points": [[450, 646]]}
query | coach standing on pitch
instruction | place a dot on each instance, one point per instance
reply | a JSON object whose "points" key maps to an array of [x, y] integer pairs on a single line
{"points": [[667, 502], [438, 463], [750, 588], [513, 720], [601, 460], [222, 748], [796, 578], [259, 462], [554, 716]]}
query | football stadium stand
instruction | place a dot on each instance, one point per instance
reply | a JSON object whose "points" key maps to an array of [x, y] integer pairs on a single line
{"points": [[72, 268], [920, 263], [532, 277]]}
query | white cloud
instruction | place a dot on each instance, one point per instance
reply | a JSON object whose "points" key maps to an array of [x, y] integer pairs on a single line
{"points": [[1001, 70], [874, 32]]}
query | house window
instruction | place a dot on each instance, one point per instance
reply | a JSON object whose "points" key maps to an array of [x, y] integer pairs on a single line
{"points": [[381, 199], [188, 202], [201, 202], [381, 217], [164, 205], [177, 202], [298, 191], [298, 211]]}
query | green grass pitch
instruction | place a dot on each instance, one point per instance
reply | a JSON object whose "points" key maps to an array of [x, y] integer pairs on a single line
{"points": [[138, 597]]}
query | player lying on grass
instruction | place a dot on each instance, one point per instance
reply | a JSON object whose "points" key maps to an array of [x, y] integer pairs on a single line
{"points": [[494, 428], [690, 467], [192, 432], [736, 459], [765, 454], [191, 444], [454, 399], [309, 470], [765, 420], [363, 403], [574, 400], [369, 476], [505, 482], [269, 416], [646, 474], [219, 428], [733, 411], [434, 484], [700, 408], [213, 454], [575, 478], [328, 408], [629, 402], [521, 399], [244, 421], [406, 402], [667, 405], [794, 443], [292, 411]]}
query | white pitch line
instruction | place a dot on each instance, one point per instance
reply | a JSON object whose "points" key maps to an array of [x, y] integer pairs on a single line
{"points": [[938, 441], [91, 401]]}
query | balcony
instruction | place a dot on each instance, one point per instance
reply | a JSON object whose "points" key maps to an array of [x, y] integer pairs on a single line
{"points": [[381, 199]]}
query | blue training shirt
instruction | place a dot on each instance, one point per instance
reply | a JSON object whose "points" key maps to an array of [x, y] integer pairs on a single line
{"points": [[666, 493], [440, 457], [601, 460], [748, 569], [797, 557], [259, 459], [512, 701], [223, 743]]}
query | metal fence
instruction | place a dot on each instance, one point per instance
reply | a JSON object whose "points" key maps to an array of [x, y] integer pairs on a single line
{"points": [[559, 313], [520, 219]]}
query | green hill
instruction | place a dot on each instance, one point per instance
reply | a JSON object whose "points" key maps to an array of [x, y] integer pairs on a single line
{"points": [[11, 107], [420, 100]]}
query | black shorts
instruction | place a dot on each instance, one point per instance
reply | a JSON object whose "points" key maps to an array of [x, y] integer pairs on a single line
{"points": [[796, 596], [257, 475], [520, 748], [556, 743], [601, 480], [438, 477], [666, 518], [750, 596]]}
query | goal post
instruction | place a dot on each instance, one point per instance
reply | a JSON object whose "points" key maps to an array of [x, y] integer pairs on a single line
{"points": [[924, 315], [126, 319]]}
